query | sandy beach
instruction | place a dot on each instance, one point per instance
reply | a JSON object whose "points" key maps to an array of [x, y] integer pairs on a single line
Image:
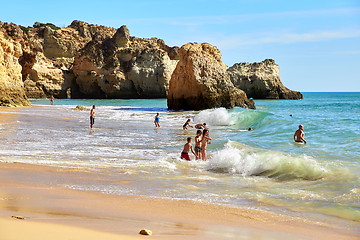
{"points": [[52, 211]]}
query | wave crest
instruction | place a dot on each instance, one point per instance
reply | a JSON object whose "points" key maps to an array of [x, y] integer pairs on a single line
{"points": [[236, 158]]}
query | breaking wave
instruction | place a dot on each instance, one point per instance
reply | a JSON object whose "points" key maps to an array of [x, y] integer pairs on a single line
{"points": [[237, 158], [239, 119]]}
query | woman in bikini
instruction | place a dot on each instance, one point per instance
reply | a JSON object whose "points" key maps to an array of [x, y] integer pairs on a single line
{"points": [[204, 142]]}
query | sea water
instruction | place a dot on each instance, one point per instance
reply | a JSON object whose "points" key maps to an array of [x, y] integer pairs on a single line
{"points": [[262, 169]]}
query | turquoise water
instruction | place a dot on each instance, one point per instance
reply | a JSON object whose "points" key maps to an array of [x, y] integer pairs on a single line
{"points": [[262, 168]]}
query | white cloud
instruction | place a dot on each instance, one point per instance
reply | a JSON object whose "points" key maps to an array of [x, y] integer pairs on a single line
{"points": [[237, 41]]}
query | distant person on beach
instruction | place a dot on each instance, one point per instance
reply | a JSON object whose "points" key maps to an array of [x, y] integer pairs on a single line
{"points": [[198, 144], [204, 142], [52, 100], [157, 120], [201, 126], [187, 124], [299, 135], [187, 148], [92, 116]]}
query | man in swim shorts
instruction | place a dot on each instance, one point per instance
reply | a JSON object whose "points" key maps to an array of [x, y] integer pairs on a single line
{"points": [[92, 116], [197, 148], [187, 148], [299, 135]]}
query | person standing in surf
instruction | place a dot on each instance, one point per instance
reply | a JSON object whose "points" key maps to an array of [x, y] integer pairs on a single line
{"points": [[198, 145], [187, 148], [299, 135], [52, 100], [157, 121], [92, 116], [204, 142]]}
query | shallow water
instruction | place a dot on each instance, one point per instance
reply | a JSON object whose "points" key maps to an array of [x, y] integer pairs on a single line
{"points": [[261, 169]]}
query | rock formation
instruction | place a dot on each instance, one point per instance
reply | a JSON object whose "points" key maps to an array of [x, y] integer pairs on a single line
{"points": [[125, 67], [49, 55], [91, 61], [261, 80], [200, 81], [11, 85]]}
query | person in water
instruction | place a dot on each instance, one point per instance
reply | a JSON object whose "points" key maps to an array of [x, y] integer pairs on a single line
{"points": [[52, 100], [299, 135], [92, 116], [198, 144], [204, 142], [157, 120], [187, 148], [201, 126], [187, 124]]}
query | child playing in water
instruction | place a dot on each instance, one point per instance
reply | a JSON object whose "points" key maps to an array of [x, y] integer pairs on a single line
{"points": [[198, 144], [187, 124], [157, 121], [204, 142], [187, 148]]}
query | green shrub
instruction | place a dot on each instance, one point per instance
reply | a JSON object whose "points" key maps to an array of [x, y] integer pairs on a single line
{"points": [[24, 29], [51, 25]]}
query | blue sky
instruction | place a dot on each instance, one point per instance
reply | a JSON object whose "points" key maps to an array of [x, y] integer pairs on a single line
{"points": [[315, 43]]}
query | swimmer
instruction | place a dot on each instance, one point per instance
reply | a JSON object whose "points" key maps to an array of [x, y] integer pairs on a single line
{"points": [[204, 142], [157, 121], [187, 148], [198, 144], [299, 135], [187, 124], [201, 126]]}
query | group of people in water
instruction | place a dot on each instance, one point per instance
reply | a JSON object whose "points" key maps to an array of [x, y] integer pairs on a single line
{"points": [[202, 138]]}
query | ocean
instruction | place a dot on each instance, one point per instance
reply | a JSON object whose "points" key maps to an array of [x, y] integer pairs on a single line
{"points": [[259, 169]]}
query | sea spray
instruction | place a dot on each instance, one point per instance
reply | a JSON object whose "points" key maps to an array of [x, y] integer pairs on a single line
{"points": [[237, 158]]}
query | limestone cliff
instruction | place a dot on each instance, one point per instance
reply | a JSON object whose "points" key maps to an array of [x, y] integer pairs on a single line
{"points": [[200, 81], [11, 84], [124, 67], [261, 80], [49, 55]]}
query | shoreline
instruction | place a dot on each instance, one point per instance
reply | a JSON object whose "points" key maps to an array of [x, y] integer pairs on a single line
{"points": [[24, 192]]}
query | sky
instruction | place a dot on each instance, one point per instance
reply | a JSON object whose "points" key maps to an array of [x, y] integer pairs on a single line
{"points": [[315, 43]]}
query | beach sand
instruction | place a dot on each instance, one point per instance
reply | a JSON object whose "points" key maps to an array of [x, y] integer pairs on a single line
{"points": [[54, 212]]}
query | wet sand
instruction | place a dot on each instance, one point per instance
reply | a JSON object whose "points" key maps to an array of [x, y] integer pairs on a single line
{"points": [[26, 190]]}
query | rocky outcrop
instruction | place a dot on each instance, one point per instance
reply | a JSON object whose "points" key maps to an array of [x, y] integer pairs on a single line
{"points": [[124, 67], [200, 81], [49, 55], [91, 61], [11, 84], [261, 80]]}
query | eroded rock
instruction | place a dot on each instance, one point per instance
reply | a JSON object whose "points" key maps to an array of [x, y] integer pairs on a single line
{"points": [[261, 80], [200, 81]]}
